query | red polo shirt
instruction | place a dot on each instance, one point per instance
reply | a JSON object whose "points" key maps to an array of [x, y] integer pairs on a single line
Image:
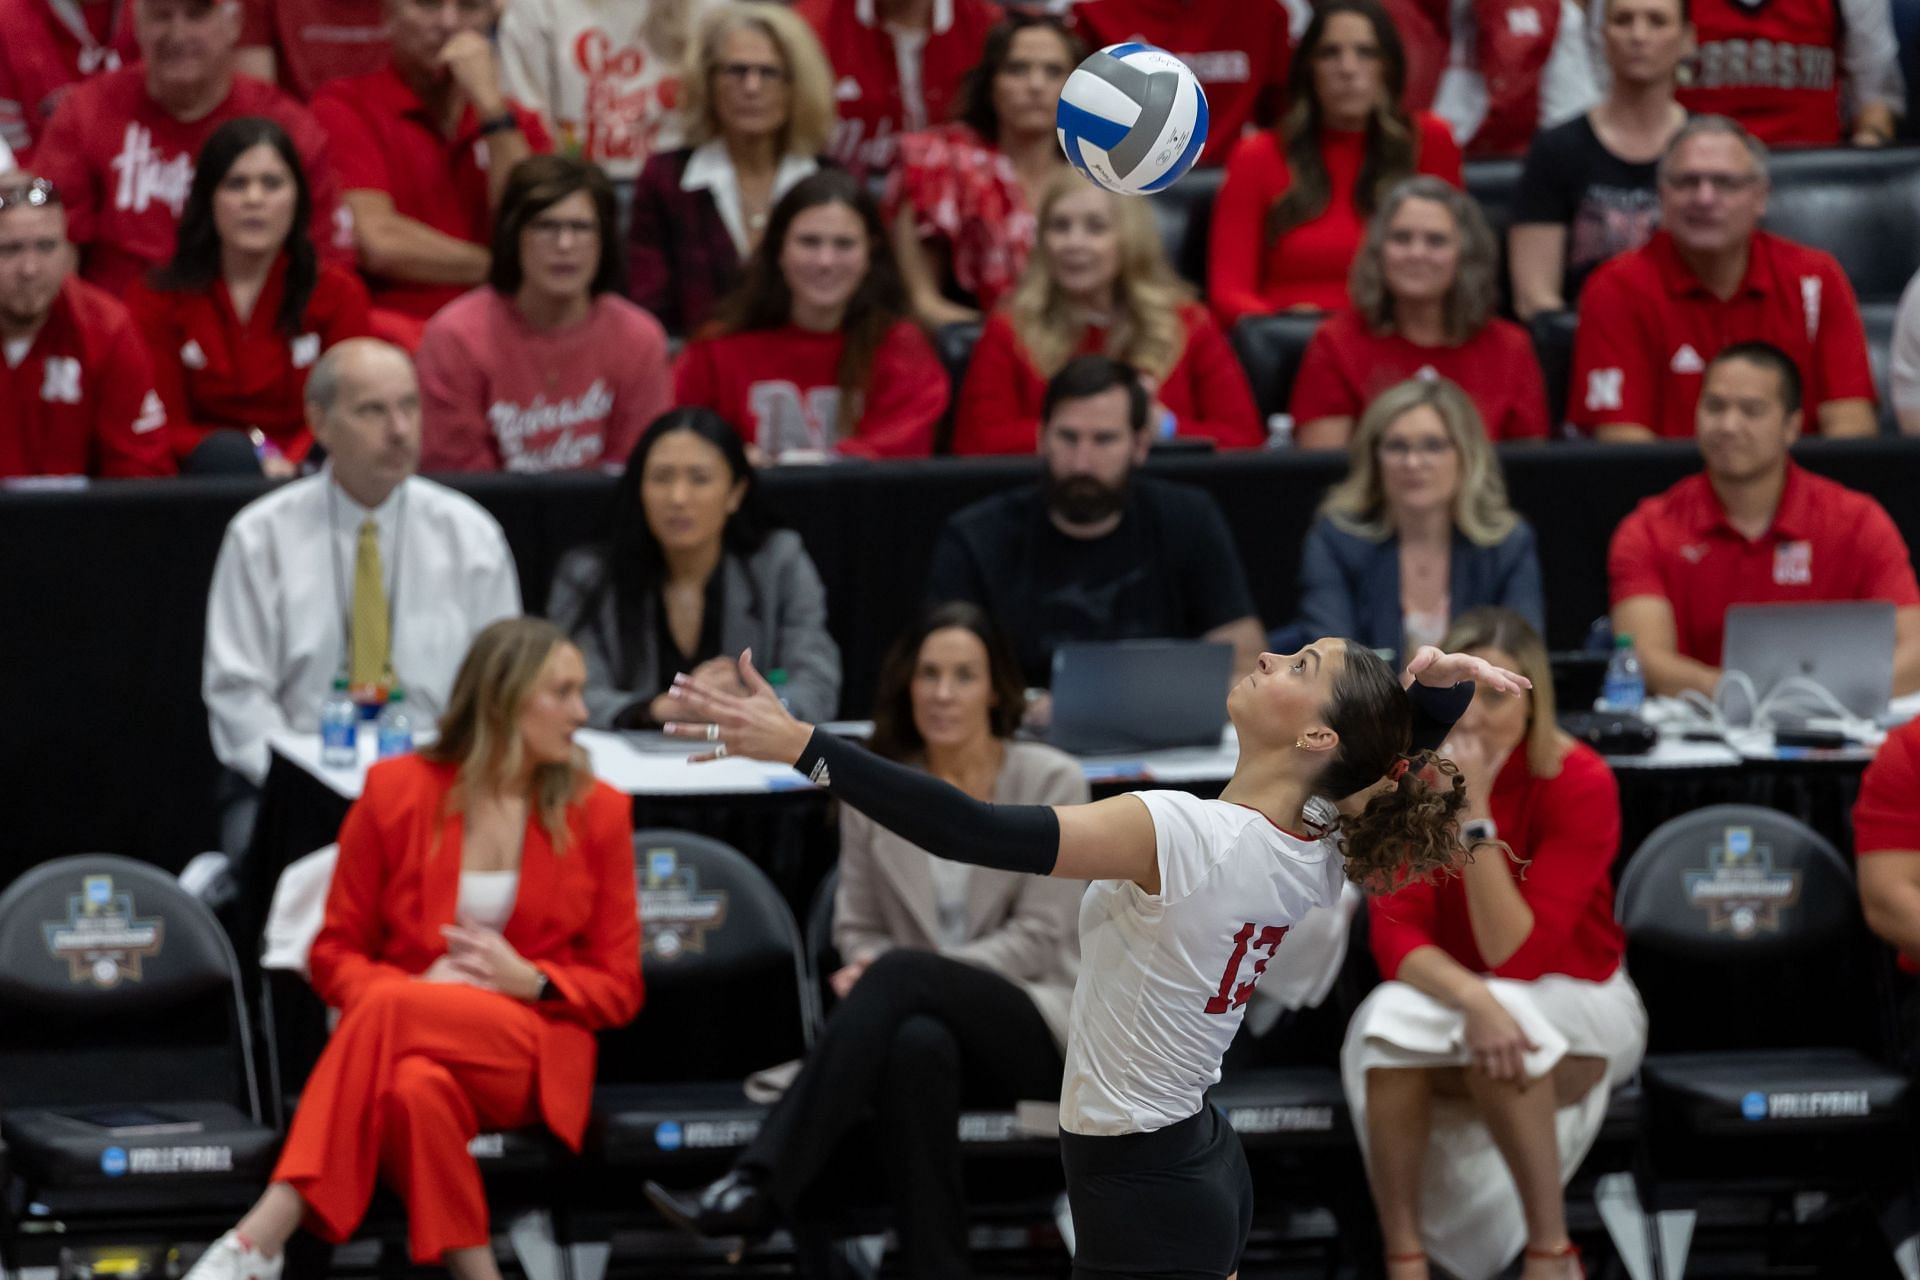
{"points": [[50, 44], [873, 109], [216, 371], [314, 41], [1886, 818], [123, 166], [1239, 50], [1347, 365], [385, 139], [81, 401], [1648, 327], [1827, 542]]}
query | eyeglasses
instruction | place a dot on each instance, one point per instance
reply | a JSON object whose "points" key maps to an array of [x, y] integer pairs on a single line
{"points": [[554, 230], [1432, 449], [37, 194], [1722, 184], [741, 73]]}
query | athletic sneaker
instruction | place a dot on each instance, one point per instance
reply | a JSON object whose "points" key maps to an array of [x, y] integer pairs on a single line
{"points": [[228, 1259]]}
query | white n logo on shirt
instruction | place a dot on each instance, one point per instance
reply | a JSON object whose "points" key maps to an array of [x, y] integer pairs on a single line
{"points": [[153, 415], [1604, 389], [145, 177], [787, 420], [61, 384]]}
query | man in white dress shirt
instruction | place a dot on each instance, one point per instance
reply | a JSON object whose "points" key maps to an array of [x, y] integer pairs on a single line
{"points": [[365, 571]]}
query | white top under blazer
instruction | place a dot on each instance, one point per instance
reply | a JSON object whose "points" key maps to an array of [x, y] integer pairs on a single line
{"points": [[1164, 978]]}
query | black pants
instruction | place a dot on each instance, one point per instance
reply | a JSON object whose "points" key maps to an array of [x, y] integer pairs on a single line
{"points": [[918, 1037], [1174, 1204]]}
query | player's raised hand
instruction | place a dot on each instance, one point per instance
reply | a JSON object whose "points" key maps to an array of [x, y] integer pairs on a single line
{"points": [[752, 724], [1430, 666]]}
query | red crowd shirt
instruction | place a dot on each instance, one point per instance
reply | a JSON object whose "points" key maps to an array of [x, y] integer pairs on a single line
{"points": [[1774, 67], [1347, 365], [216, 371], [385, 139], [873, 107], [1886, 817], [314, 41], [499, 395], [1306, 267], [1568, 829], [1648, 327], [123, 166], [81, 401], [780, 390], [1206, 389], [1238, 50], [49, 45], [1826, 542]]}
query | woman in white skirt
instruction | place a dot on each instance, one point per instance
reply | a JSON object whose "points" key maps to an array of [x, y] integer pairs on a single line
{"points": [[1479, 1071]]}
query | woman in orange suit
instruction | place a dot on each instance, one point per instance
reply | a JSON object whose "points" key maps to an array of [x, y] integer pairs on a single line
{"points": [[480, 929]]}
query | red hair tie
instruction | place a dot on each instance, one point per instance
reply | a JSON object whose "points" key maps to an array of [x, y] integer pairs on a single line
{"points": [[1398, 771]]}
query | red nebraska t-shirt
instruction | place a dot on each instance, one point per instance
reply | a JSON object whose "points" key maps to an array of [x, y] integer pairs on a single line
{"points": [[1773, 66], [81, 401], [124, 166], [1347, 365], [780, 390], [216, 371], [1826, 542], [1238, 50], [314, 41], [48, 45]]}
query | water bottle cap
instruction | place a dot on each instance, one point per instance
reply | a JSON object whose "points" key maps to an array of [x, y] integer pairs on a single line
{"points": [[398, 695], [339, 684], [777, 676], [1622, 641]]}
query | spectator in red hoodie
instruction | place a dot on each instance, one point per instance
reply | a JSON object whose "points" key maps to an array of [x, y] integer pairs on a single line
{"points": [[813, 354], [49, 45], [1098, 283], [245, 307], [547, 368]]}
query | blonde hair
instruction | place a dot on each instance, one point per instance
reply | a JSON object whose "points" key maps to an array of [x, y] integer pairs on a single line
{"points": [[1475, 289], [480, 729], [1493, 627], [810, 109], [1358, 503], [1146, 332]]}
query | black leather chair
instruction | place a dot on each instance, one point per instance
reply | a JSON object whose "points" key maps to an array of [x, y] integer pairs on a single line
{"points": [[1270, 348], [1494, 183], [1860, 205], [822, 955], [1553, 344], [1767, 1072], [128, 1098], [1185, 214], [1878, 319], [954, 344]]}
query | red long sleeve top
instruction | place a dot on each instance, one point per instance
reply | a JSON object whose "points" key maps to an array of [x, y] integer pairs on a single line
{"points": [[1306, 267], [215, 371], [1206, 389], [1568, 827]]}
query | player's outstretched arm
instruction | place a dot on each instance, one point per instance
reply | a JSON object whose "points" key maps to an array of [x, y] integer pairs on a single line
{"points": [[1111, 840]]}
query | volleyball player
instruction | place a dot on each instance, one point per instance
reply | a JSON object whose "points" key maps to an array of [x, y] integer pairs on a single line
{"points": [[1190, 900]]}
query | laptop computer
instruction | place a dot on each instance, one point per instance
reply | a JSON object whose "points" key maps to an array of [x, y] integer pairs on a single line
{"points": [[1118, 696], [1844, 646]]}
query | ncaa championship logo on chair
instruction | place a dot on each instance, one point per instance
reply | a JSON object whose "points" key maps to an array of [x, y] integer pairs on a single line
{"points": [[675, 916], [1739, 888], [102, 940]]}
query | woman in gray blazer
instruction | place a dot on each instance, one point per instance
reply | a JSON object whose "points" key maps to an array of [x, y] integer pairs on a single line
{"points": [[956, 979], [688, 579]]}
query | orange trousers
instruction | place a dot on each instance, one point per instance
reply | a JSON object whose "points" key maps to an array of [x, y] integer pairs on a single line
{"points": [[412, 1073]]}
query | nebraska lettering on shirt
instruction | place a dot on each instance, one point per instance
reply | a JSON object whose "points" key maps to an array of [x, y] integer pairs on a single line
{"points": [[1219, 66], [145, 176], [1763, 64], [514, 426]]}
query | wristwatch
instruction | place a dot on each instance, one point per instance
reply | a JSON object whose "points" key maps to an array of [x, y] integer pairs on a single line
{"points": [[545, 988], [1478, 831], [501, 123]]}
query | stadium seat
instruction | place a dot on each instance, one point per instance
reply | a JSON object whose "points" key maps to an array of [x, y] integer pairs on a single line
{"points": [[1878, 318], [1270, 348], [822, 955], [1553, 345], [1493, 183], [1767, 1070], [953, 344], [1185, 214], [128, 1098], [1859, 204]]}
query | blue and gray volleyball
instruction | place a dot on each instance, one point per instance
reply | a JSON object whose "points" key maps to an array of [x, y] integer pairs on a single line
{"points": [[1132, 118]]}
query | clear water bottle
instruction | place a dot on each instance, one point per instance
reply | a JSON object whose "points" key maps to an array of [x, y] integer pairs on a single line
{"points": [[396, 726], [339, 728], [1625, 689]]}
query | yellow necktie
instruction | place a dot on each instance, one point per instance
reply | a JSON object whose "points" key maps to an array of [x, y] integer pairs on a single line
{"points": [[370, 622]]}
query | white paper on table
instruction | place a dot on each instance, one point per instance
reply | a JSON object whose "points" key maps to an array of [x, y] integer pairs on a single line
{"points": [[636, 772], [1677, 753]]}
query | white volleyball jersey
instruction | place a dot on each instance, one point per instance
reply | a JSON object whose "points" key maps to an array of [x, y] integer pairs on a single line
{"points": [[1164, 978]]}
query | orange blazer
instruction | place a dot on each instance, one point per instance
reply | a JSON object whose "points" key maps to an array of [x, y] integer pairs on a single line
{"points": [[394, 887]]}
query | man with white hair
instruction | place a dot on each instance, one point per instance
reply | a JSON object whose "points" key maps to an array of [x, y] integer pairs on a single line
{"points": [[122, 146], [364, 572]]}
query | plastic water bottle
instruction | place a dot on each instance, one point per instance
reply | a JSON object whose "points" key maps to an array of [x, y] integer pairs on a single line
{"points": [[396, 726], [1625, 689], [339, 727]]}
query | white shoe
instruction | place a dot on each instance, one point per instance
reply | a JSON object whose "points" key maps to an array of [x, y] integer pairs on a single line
{"points": [[227, 1259]]}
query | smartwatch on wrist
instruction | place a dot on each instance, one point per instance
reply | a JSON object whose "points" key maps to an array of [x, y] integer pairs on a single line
{"points": [[1478, 831], [505, 122], [545, 989]]}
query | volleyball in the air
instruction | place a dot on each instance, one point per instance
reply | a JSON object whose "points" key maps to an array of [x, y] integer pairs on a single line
{"points": [[1132, 118]]}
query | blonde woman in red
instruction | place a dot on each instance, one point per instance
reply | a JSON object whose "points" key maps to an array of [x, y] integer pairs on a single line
{"points": [[480, 928]]}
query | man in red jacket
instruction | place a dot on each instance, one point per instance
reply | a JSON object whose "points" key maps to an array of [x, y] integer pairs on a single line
{"points": [[75, 378], [49, 45]]}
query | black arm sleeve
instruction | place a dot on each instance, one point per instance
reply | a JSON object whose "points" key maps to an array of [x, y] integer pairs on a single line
{"points": [[943, 820], [1435, 710]]}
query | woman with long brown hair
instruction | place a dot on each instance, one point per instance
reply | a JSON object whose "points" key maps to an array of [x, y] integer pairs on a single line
{"points": [[1296, 199], [480, 929], [813, 353]]}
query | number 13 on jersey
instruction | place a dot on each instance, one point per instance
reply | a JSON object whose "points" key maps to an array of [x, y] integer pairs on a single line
{"points": [[1232, 996]]}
